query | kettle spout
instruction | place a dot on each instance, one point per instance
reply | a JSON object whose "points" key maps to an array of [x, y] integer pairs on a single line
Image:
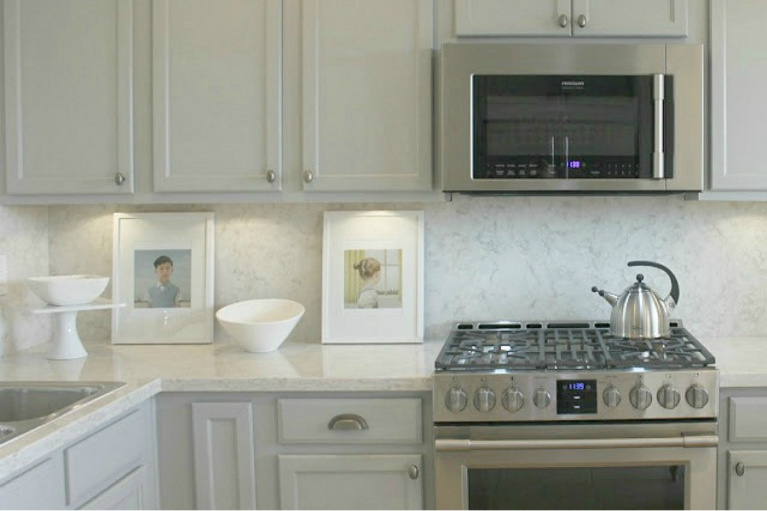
{"points": [[611, 298]]}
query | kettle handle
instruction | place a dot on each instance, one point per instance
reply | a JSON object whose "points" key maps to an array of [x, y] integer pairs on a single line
{"points": [[674, 284]]}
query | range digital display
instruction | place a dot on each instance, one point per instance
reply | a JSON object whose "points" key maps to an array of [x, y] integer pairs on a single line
{"points": [[576, 397]]}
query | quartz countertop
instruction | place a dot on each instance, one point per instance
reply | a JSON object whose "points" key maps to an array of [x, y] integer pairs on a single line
{"points": [[295, 366]]}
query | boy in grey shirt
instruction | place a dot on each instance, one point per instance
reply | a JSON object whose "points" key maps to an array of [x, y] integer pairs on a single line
{"points": [[163, 293]]}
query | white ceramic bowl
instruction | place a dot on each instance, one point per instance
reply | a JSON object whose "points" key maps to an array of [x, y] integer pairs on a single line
{"points": [[260, 325], [68, 289]]}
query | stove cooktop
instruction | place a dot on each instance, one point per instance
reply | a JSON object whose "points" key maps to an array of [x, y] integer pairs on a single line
{"points": [[508, 371], [502, 345]]}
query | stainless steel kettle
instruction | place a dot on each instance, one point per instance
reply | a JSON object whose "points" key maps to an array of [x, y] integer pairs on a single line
{"points": [[639, 312]]}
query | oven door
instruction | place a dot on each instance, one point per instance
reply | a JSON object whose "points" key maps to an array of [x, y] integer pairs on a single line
{"points": [[577, 466]]}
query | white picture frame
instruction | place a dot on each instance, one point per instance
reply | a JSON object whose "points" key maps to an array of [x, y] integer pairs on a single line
{"points": [[147, 248], [358, 307]]}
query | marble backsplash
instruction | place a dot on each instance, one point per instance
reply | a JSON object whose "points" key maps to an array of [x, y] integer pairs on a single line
{"points": [[485, 257], [24, 242]]}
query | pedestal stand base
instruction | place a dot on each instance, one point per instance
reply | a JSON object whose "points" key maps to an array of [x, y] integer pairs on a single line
{"points": [[66, 340]]}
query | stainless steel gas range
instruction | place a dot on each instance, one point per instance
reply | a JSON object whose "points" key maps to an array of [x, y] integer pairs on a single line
{"points": [[553, 415]]}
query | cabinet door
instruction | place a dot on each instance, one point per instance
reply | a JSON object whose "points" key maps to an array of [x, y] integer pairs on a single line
{"points": [[379, 481], [747, 479], [738, 111], [68, 96], [127, 493], [565, 18], [224, 450], [366, 87], [216, 91], [513, 18], [628, 18], [25, 491]]}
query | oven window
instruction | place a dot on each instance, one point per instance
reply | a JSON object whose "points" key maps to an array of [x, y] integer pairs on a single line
{"points": [[653, 487]]}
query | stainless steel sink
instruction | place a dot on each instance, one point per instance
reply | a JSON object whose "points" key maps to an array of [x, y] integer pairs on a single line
{"points": [[25, 406]]}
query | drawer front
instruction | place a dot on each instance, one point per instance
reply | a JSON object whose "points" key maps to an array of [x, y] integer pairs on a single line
{"points": [[748, 419], [350, 421], [104, 457]]}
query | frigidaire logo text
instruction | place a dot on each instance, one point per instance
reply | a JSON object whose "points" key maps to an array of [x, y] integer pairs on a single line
{"points": [[572, 84]]}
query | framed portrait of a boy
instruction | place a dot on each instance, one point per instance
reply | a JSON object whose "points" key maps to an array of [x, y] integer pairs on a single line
{"points": [[372, 277], [163, 274]]}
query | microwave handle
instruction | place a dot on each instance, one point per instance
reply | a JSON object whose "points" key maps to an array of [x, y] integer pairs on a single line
{"points": [[658, 156]]}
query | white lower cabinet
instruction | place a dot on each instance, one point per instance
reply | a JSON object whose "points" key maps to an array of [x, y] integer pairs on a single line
{"points": [[130, 492], [747, 485], [224, 450], [743, 449], [351, 481], [327, 474], [110, 468], [326, 450], [23, 490]]}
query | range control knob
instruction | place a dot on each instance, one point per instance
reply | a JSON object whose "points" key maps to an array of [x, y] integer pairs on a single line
{"points": [[612, 397], [484, 399], [668, 397], [456, 399], [697, 396], [541, 398], [512, 399], [640, 397]]}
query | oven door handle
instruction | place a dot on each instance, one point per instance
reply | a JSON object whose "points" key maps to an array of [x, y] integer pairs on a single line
{"points": [[444, 444]]}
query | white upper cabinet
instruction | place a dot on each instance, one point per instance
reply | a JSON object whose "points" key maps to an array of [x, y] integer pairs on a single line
{"points": [[366, 95], [738, 108], [216, 95], [68, 96], [568, 18]]}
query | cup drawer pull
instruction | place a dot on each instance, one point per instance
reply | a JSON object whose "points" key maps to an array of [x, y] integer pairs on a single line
{"points": [[348, 421]]}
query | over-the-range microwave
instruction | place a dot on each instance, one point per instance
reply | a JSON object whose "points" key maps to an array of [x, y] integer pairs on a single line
{"points": [[578, 117]]}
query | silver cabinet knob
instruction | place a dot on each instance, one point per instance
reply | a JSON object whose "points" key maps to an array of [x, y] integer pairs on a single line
{"points": [[611, 397], [456, 399], [413, 472], [668, 397], [640, 397], [697, 396], [541, 398], [563, 20], [308, 176], [348, 421], [512, 399], [271, 176], [582, 20], [740, 468], [119, 178], [484, 399]]}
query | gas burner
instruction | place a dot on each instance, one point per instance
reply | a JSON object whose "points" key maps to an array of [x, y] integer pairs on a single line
{"points": [[561, 345]]}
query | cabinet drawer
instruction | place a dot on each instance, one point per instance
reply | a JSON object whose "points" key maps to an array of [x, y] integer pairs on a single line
{"points": [[104, 457], [748, 419], [350, 421]]}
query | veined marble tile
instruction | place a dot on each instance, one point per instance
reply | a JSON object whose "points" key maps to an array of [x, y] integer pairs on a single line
{"points": [[485, 257]]}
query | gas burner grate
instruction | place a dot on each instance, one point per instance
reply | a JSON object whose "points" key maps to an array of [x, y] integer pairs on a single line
{"points": [[572, 346]]}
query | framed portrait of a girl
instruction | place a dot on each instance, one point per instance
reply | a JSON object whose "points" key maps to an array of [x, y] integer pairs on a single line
{"points": [[372, 268]]}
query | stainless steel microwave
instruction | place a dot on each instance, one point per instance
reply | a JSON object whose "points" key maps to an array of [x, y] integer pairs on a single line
{"points": [[575, 117]]}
